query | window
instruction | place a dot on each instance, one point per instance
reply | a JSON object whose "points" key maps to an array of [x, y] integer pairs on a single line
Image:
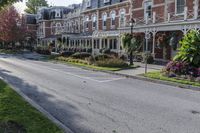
{"points": [[88, 3], [52, 28], [180, 5], [86, 22], [106, 1], [122, 18], [148, 9], [58, 28], [104, 19], [113, 18], [94, 21]]}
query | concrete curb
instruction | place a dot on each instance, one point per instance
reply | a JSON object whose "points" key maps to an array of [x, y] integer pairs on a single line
{"points": [[41, 109], [189, 87]]}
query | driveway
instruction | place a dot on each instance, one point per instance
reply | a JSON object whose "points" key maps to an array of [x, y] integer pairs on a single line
{"points": [[96, 102]]}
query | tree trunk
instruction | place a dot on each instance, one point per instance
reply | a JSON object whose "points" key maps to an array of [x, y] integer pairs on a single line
{"points": [[131, 58]]}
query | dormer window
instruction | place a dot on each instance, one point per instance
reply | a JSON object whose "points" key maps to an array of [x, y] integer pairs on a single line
{"points": [[106, 1], [88, 3], [180, 5]]}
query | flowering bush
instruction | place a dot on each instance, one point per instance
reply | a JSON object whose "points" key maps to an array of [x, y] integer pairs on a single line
{"points": [[174, 68]]}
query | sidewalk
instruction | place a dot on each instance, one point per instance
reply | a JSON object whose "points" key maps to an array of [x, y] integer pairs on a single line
{"points": [[141, 69]]}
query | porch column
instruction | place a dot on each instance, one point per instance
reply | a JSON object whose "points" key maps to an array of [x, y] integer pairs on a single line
{"points": [[154, 39], [196, 6], [100, 45], [108, 43], [119, 40], [92, 46]]}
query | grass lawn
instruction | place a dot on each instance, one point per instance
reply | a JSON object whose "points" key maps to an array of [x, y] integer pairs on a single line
{"points": [[158, 75], [18, 116]]}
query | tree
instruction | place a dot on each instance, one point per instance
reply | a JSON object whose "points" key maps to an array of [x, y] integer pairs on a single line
{"points": [[131, 43], [7, 2], [12, 28], [189, 50], [32, 5]]}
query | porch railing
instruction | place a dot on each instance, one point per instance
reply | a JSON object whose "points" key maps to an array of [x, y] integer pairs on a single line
{"points": [[169, 17]]}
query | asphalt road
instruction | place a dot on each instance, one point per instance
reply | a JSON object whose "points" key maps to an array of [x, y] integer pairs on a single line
{"points": [[95, 102]]}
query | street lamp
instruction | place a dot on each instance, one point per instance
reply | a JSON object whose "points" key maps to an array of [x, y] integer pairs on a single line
{"points": [[132, 24]]}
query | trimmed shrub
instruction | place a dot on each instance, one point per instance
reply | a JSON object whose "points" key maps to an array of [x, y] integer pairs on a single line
{"points": [[67, 53], [43, 51], [102, 57], [123, 57], [82, 55], [111, 63], [61, 58], [106, 51], [89, 50]]}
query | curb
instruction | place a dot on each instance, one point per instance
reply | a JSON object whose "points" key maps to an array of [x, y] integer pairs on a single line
{"points": [[40, 109], [188, 87]]}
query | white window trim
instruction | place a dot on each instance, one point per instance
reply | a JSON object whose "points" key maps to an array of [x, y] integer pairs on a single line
{"points": [[104, 27], [177, 14], [94, 27], [111, 24], [145, 8], [120, 11], [87, 19]]}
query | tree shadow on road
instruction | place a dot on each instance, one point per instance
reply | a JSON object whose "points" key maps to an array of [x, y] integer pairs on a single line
{"points": [[60, 109]]}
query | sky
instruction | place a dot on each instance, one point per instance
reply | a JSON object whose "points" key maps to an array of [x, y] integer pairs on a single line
{"points": [[21, 5]]}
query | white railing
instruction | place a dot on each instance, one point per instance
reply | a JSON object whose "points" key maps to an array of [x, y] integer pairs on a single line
{"points": [[169, 18]]}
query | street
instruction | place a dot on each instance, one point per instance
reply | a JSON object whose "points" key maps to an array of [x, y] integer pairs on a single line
{"points": [[96, 102]]}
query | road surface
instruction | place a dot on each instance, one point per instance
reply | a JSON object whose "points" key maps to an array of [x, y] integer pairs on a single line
{"points": [[95, 102]]}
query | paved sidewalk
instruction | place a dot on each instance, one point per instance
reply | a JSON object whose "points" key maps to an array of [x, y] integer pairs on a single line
{"points": [[141, 69]]}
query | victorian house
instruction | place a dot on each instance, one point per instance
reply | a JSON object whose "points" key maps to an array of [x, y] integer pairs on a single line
{"points": [[50, 25], [99, 24], [169, 19]]}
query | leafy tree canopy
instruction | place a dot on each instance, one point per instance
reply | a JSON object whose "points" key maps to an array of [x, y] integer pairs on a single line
{"points": [[189, 50], [32, 5], [7, 2]]}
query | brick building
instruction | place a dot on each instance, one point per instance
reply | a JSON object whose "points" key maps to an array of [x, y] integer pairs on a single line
{"points": [[98, 24], [173, 18], [50, 25]]}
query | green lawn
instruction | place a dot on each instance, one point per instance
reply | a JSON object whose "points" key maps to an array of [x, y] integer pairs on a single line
{"points": [[158, 75], [16, 115]]}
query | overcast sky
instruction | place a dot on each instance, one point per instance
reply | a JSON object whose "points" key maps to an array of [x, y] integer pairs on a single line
{"points": [[21, 5]]}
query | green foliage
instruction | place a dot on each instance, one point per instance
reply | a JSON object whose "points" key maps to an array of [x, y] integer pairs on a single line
{"points": [[32, 5], [111, 63], [3, 3], [130, 43], [81, 55], [71, 60], [160, 76], [13, 109], [102, 57], [190, 49]]}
